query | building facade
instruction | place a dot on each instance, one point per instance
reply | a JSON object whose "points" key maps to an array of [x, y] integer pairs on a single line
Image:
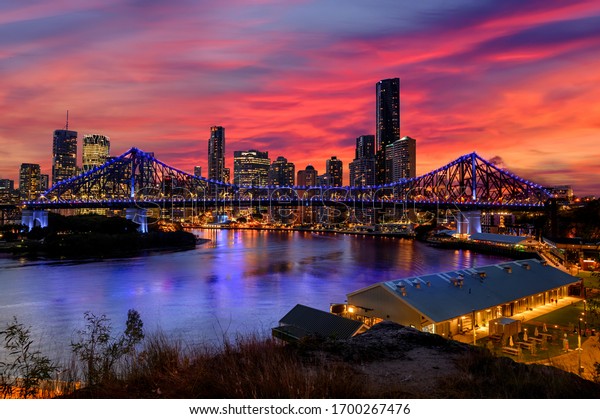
{"points": [[251, 168], [29, 181], [334, 172], [387, 110], [363, 167], [282, 172], [401, 159], [307, 177], [216, 154], [64, 155], [95, 151]]}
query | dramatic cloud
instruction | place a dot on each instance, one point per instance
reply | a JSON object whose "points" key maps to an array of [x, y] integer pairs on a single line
{"points": [[297, 78]]}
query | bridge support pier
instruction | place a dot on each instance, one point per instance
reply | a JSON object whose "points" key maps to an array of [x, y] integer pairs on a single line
{"points": [[138, 216], [33, 218], [469, 222]]}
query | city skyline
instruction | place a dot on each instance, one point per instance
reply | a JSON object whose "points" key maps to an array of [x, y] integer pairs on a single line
{"points": [[509, 81]]}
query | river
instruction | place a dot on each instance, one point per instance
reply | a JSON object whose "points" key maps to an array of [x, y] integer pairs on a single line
{"points": [[238, 283]]}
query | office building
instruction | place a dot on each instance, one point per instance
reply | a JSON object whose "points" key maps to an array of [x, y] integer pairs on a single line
{"points": [[64, 155], [29, 181], [334, 171], [365, 147], [401, 159], [363, 167], [216, 154], [95, 151], [307, 177], [251, 168], [282, 172], [198, 171], [44, 182], [387, 110], [7, 190]]}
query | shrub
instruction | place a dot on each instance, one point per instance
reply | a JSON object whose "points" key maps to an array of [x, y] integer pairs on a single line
{"points": [[99, 351], [25, 369]]}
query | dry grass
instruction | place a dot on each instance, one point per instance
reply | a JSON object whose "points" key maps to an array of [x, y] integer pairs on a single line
{"points": [[247, 368]]}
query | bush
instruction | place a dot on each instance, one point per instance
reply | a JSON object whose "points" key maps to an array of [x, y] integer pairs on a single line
{"points": [[99, 351], [25, 371]]}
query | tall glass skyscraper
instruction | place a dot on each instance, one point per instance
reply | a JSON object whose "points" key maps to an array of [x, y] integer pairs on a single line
{"points": [[388, 122], [216, 154], [64, 155]]}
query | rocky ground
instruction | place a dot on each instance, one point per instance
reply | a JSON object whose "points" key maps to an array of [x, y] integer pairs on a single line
{"points": [[397, 361]]}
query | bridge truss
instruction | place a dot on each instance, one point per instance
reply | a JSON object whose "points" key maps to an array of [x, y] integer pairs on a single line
{"points": [[139, 179]]}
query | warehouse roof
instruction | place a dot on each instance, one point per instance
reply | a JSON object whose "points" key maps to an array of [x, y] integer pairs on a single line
{"points": [[443, 296], [302, 321]]}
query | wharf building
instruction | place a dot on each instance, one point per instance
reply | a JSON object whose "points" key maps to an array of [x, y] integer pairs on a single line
{"points": [[462, 301], [95, 151], [64, 155], [251, 168], [282, 172]]}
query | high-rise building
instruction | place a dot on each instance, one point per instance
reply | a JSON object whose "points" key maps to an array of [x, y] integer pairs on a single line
{"points": [[365, 147], [402, 159], [216, 154], [198, 171], [96, 151], [29, 181], [334, 171], [307, 177], [282, 172], [44, 182], [64, 155], [7, 190], [363, 168], [387, 111], [251, 168]]}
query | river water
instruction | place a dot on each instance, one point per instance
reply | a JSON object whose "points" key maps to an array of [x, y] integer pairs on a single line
{"points": [[240, 282]]}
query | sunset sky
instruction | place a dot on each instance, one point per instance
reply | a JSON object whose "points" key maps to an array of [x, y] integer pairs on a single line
{"points": [[516, 81]]}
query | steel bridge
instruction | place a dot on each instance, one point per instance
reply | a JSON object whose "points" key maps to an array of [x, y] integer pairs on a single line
{"points": [[137, 179]]}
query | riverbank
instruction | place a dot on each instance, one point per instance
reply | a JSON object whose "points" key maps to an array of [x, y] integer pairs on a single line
{"points": [[79, 246]]}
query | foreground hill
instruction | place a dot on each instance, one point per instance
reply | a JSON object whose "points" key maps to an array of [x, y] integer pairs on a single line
{"points": [[388, 361]]}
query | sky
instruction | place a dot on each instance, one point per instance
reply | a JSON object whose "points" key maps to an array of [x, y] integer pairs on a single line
{"points": [[515, 81]]}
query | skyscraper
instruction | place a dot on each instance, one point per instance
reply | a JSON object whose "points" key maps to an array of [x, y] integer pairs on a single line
{"points": [[198, 171], [95, 151], [64, 155], [307, 177], [362, 168], [334, 170], [251, 168], [216, 154], [29, 181], [387, 111], [282, 172], [402, 156]]}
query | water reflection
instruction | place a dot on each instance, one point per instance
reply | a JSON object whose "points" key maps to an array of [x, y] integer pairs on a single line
{"points": [[242, 281]]}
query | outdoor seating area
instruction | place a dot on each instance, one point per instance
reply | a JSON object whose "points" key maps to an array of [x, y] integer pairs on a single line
{"points": [[543, 337]]}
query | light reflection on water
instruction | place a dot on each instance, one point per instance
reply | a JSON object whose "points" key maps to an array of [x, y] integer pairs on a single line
{"points": [[240, 282]]}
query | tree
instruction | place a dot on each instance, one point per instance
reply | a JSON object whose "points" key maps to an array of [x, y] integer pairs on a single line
{"points": [[99, 351]]}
